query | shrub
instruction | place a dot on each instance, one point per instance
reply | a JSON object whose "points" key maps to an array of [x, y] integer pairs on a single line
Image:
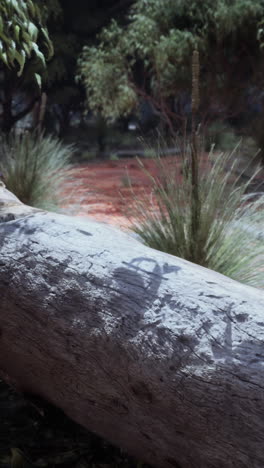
{"points": [[34, 167], [227, 234], [222, 136], [201, 211]]}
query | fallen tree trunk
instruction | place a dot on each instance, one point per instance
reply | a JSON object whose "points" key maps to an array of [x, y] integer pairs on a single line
{"points": [[160, 356]]}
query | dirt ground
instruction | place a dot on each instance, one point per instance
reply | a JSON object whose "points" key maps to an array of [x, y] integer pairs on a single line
{"points": [[105, 190]]}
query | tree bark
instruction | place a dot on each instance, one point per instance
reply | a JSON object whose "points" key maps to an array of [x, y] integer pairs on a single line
{"points": [[160, 356]]}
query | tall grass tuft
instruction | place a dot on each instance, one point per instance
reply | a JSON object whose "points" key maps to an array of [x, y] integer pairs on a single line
{"points": [[194, 169], [200, 210], [229, 237], [34, 167]]}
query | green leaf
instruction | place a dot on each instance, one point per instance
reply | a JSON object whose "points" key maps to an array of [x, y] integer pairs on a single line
{"points": [[26, 36], [31, 7], [38, 80], [4, 58], [48, 42], [27, 48], [33, 31], [38, 53], [17, 31], [18, 459], [20, 58]]}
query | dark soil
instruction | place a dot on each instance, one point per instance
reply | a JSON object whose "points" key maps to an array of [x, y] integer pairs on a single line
{"points": [[34, 433]]}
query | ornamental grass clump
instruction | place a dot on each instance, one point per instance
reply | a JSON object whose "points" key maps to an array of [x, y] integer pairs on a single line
{"points": [[199, 208], [34, 167], [228, 235]]}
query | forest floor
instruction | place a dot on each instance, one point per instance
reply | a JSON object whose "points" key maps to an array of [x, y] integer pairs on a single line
{"points": [[106, 190], [35, 434]]}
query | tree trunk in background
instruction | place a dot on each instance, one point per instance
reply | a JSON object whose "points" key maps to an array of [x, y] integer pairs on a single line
{"points": [[8, 85], [10, 91], [101, 132], [160, 356], [7, 117]]}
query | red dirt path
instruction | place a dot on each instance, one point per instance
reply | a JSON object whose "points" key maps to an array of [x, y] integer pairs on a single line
{"points": [[101, 189]]}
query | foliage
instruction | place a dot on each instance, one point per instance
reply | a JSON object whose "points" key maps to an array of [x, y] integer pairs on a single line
{"points": [[255, 129], [25, 46], [147, 57], [71, 25], [116, 99], [66, 48], [228, 235], [34, 167], [222, 136], [21, 32], [261, 33], [66, 45]]}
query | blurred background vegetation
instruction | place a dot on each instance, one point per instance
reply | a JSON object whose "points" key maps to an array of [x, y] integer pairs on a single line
{"points": [[104, 72]]}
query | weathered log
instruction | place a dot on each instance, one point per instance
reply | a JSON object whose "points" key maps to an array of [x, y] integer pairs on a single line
{"points": [[160, 356]]}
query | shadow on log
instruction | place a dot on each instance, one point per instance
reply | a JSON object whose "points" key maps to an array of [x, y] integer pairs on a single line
{"points": [[159, 356]]}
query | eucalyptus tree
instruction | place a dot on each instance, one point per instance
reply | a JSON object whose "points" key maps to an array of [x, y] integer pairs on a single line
{"points": [[147, 57], [24, 48], [71, 25]]}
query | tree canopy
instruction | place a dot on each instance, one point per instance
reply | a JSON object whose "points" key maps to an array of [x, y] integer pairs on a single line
{"points": [[148, 56], [29, 31]]}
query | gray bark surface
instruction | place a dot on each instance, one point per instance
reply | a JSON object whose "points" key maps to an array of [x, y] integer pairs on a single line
{"points": [[160, 356]]}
